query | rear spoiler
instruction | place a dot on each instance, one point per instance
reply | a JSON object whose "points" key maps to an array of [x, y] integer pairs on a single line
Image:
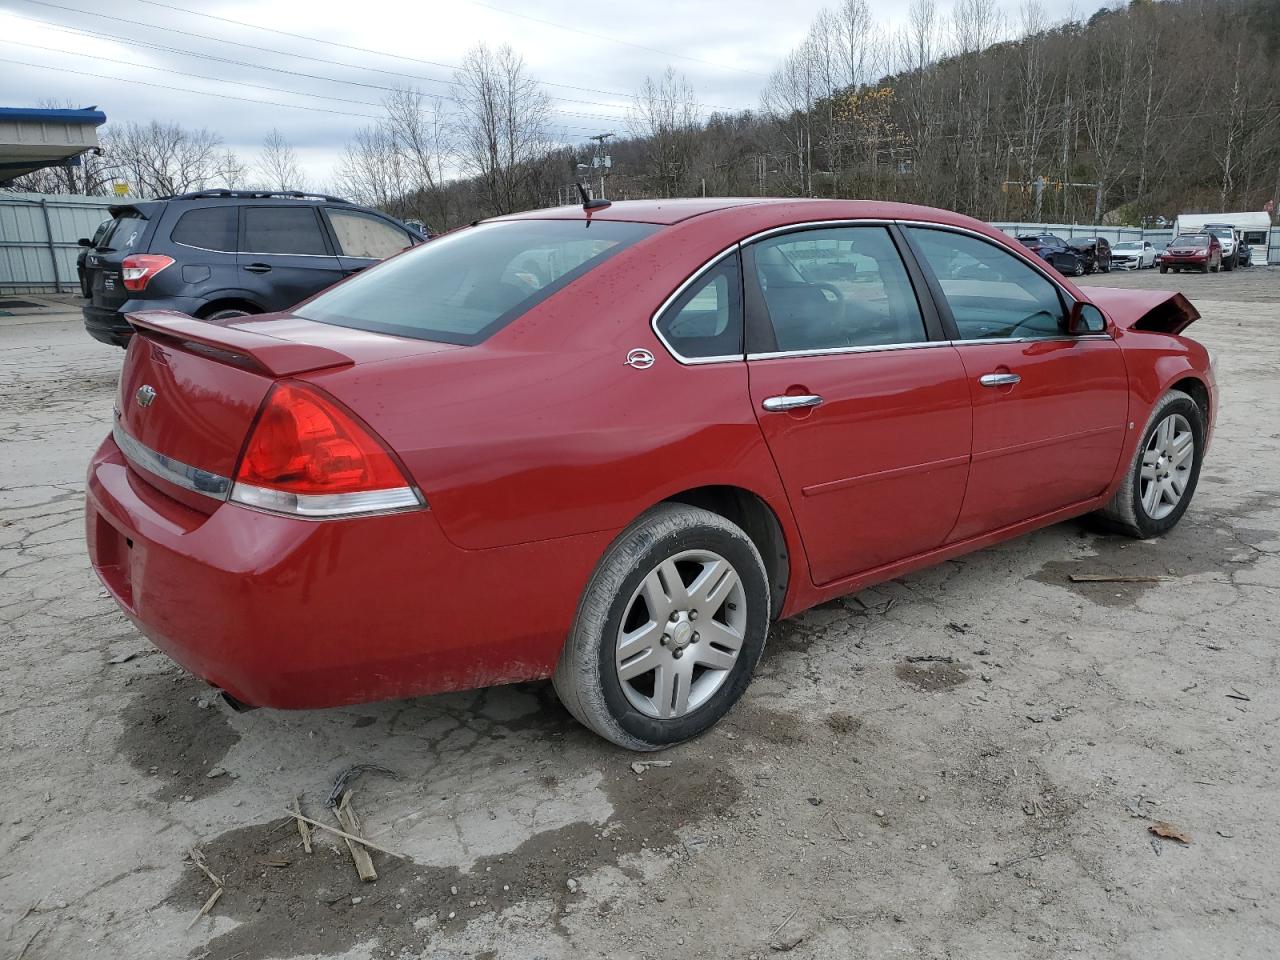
{"points": [[1156, 311], [235, 345]]}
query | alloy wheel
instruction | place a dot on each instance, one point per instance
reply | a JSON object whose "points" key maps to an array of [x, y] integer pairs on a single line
{"points": [[681, 633], [1166, 466]]}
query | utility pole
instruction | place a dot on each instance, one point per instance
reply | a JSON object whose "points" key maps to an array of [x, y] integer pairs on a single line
{"points": [[601, 160]]}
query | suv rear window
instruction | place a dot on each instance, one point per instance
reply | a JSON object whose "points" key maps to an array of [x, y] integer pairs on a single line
{"points": [[124, 233], [210, 228], [293, 230], [464, 287]]}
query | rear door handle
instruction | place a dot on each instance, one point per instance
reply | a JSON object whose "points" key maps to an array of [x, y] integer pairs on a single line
{"points": [[774, 404], [999, 379], [258, 267]]}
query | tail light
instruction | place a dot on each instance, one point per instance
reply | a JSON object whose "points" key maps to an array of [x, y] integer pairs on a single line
{"points": [[140, 269], [308, 456]]}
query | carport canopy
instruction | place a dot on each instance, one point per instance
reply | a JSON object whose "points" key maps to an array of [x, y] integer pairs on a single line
{"points": [[33, 138]]}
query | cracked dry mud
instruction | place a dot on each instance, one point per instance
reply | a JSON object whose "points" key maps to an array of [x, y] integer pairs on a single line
{"points": [[993, 806]]}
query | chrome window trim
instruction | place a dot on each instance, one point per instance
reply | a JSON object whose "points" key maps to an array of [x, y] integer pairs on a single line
{"points": [[833, 351], [204, 482], [1059, 338]]}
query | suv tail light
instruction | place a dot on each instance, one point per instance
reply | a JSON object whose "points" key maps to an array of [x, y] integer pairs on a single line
{"points": [[308, 456], [139, 269]]}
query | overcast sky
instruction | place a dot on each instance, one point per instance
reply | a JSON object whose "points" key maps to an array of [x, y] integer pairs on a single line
{"points": [[725, 47]]}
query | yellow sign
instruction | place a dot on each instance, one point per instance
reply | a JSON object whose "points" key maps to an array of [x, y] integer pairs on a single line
{"points": [[121, 189]]}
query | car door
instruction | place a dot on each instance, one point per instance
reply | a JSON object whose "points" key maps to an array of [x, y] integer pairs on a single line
{"points": [[1049, 409], [364, 239], [863, 403], [285, 254]]}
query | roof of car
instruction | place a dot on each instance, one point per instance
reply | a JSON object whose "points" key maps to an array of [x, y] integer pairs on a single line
{"points": [[667, 212]]}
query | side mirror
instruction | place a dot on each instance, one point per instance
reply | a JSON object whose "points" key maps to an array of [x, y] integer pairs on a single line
{"points": [[85, 242], [1085, 318]]}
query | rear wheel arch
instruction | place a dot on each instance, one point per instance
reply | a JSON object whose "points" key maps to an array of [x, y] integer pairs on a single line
{"points": [[758, 521], [227, 303]]}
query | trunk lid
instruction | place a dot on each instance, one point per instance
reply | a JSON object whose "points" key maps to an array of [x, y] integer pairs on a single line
{"points": [[191, 389]]}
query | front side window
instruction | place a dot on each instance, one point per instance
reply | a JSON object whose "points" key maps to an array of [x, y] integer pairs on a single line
{"points": [[991, 293], [366, 236], [837, 287], [289, 230], [212, 228], [463, 287], [706, 320]]}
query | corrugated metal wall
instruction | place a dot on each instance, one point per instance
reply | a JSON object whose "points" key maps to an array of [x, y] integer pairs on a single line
{"points": [[39, 231]]}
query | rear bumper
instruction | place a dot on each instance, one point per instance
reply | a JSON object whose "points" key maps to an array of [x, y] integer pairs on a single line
{"points": [[289, 613], [108, 325]]}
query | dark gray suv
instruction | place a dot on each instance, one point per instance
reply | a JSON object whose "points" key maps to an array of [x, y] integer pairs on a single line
{"points": [[226, 253]]}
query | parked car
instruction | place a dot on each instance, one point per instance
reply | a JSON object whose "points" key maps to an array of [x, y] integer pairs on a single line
{"points": [[218, 254], [1133, 254], [1199, 251], [1244, 255], [611, 445], [1096, 252], [1056, 252], [87, 243], [1229, 237]]}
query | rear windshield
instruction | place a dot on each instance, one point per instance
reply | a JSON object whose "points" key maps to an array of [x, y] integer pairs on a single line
{"points": [[463, 287]]}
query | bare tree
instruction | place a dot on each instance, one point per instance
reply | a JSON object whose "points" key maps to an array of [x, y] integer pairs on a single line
{"points": [[159, 159], [666, 117], [278, 164], [417, 127], [502, 130], [372, 171]]}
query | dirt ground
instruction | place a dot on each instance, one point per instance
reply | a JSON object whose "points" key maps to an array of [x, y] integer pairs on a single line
{"points": [[992, 803]]}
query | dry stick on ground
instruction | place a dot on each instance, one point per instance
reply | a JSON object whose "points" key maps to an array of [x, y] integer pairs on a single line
{"points": [[303, 829], [1119, 578], [350, 822], [198, 859], [778, 929], [346, 836]]}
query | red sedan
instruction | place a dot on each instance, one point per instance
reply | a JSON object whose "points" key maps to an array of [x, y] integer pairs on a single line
{"points": [[612, 445]]}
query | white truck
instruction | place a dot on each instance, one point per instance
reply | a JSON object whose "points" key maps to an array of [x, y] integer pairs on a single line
{"points": [[1253, 229]]}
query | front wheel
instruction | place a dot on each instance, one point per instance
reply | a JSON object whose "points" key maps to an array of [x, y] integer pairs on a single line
{"points": [[1164, 269], [1164, 471], [1079, 269], [668, 631]]}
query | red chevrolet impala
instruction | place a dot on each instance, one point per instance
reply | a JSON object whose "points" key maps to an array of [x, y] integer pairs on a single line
{"points": [[611, 445]]}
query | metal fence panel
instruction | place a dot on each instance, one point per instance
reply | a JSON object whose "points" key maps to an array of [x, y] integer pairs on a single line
{"points": [[38, 235]]}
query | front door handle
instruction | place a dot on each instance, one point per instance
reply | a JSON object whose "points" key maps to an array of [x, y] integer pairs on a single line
{"points": [[999, 379], [258, 267], [774, 404]]}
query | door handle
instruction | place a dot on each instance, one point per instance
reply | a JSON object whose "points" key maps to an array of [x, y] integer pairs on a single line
{"points": [[775, 404], [258, 267], [999, 379]]}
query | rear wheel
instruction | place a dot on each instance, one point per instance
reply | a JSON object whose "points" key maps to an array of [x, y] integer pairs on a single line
{"points": [[227, 313], [1165, 469], [669, 630]]}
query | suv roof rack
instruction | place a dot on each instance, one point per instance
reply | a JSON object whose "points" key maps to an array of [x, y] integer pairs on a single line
{"points": [[254, 195]]}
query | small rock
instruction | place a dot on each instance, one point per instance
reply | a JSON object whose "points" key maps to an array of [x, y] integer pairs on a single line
{"points": [[878, 813], [452, 914], [815, 801], [202, 703], [572, 884], [454, 891], [356, 900], [188, 798], [215, 773]]}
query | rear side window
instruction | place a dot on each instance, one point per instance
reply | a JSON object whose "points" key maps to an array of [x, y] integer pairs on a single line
{"points": [[293, 230], [706, 320], [212, 228], [124, 233], [366, 236], [463, 287], [837, 288]]}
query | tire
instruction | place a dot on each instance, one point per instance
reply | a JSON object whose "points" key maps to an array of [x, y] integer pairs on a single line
{"points": [[1228, 265], [1164, 269], [587, 677], [227, 313], [1079, 269], [1127, 512]]}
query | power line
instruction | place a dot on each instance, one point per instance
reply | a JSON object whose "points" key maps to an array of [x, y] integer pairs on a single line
{"points": [[309, 39], [256, 86], [597, 36], [149, 45], [207, 93]]}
